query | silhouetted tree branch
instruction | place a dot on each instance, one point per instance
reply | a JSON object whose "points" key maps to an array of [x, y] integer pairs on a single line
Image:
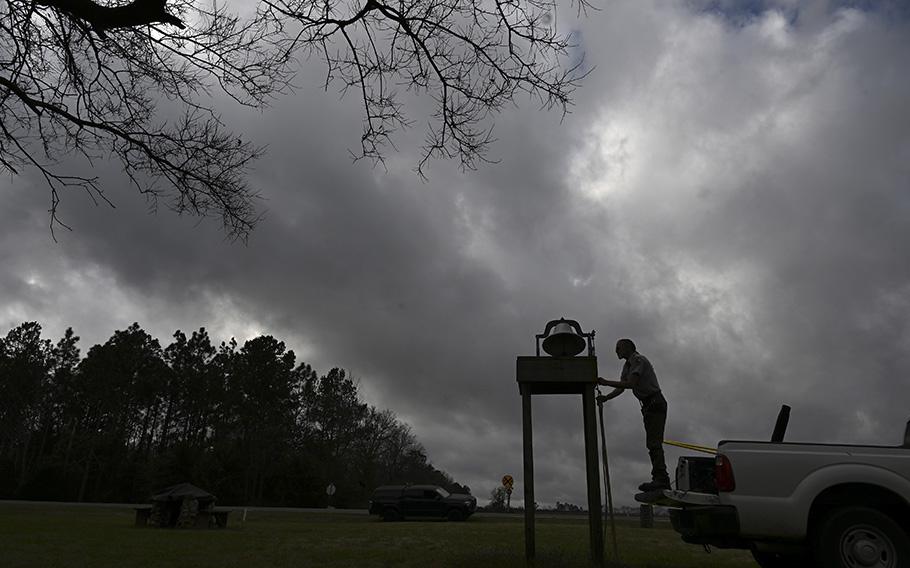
{"points": [[83, 77], [136, 13], [471, 56], [77, 77]]}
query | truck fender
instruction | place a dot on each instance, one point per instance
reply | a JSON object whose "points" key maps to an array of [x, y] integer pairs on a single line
{"points": [[839, 474]]}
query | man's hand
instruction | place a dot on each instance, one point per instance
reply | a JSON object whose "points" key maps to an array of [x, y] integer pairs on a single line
{"points": [[605, 397]]}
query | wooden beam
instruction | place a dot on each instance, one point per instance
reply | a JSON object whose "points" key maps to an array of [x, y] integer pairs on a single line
{"points": [[592, 466], [527, 437]]}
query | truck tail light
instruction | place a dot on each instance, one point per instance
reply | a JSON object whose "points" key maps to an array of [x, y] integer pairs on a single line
{"points": [[723, 474]]}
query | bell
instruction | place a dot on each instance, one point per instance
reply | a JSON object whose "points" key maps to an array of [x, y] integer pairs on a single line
{"points": [[563, 341]]}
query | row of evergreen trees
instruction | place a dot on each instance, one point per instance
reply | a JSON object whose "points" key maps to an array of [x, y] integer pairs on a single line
{"points": [[248, 423]]}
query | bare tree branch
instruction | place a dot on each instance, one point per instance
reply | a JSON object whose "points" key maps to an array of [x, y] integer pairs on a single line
{"points": [[101, 18], [82, 77], [471, 57]]}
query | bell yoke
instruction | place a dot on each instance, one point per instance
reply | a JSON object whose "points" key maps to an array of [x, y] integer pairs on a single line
{"points": [[563, 372]]}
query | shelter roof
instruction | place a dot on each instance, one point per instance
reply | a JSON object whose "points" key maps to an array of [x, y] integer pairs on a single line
{"points": [[182, 491]]}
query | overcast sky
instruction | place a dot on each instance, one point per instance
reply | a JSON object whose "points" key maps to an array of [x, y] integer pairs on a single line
{"points": [[731, 190]]}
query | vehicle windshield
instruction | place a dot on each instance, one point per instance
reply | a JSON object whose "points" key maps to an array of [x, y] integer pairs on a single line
{"points": [[442, 492]]}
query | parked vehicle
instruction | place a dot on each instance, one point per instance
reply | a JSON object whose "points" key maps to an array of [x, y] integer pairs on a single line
{"points": [[398, 502], [799, 504]]}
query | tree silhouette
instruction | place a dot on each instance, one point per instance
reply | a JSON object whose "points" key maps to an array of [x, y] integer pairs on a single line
{"points": [[120, 402], [497, 499], [247, 422], [85, 77], [25, 359], [192, 395]]}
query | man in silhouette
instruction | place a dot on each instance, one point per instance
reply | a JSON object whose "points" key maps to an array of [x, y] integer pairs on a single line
{"points": [[638, 374]]}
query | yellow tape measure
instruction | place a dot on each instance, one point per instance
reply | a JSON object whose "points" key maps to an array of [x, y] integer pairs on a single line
{"points": [[692, 447]]}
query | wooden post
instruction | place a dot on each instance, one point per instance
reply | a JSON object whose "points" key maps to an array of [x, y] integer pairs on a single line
{"points": [[561, 375], [646, 516], [592, 463], [527, 435]]}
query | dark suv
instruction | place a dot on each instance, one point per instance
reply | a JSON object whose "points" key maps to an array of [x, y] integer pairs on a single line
{"points": [[396, 502]]}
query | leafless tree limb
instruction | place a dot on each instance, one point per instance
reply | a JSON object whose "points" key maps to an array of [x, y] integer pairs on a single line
{"points": [[83, 77]]}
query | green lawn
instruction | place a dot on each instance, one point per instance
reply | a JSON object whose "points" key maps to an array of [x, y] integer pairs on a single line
{"points": [[99, 537]]}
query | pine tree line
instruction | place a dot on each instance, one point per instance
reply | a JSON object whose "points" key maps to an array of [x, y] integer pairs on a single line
{"points": [[247, 423]]}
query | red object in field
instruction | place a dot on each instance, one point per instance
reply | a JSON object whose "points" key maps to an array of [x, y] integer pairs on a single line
{"points": [[723, 474]]}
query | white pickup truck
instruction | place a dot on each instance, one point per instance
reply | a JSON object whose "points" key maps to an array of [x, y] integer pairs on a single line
{"points": [[798, 504]]}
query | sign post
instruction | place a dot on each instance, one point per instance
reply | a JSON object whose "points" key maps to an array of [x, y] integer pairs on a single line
{"points": [[330, 491], [507, 482]]}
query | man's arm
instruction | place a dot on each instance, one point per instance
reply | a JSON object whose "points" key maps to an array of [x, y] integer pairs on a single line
{"points": [[633, 380], [613, 394]]}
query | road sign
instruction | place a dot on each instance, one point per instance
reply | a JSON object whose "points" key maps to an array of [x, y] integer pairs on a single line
{"points": [[507, 481], [330, 490]]}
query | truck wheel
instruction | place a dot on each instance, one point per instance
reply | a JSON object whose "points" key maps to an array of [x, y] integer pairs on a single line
{"points": [[782, 560], [853, 537], [390, 514], [455, 515]]}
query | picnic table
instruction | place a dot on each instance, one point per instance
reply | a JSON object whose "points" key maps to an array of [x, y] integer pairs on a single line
{"points": [[216, 518], [142, 515]]}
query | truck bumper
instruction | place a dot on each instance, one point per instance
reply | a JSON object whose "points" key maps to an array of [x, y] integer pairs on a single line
{"points": [[717, 525]]}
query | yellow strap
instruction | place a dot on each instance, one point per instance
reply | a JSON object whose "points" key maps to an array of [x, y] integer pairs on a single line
{"points": [[693, 447]]}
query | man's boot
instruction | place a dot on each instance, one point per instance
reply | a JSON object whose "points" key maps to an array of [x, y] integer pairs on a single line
{"points": [[654, 486]]}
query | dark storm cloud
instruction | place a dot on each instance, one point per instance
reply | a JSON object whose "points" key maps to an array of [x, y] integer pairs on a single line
{"points": [[782, 236], [734, 197]]}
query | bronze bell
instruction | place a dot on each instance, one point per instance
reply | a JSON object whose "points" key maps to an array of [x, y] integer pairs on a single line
{"points": [[563, 341]]}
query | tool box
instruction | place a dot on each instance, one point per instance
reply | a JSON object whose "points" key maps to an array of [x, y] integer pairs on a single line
{"points": [[695, 474]]}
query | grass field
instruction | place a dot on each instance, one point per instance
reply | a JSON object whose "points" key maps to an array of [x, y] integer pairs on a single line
{"points": [[43, 535]]}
